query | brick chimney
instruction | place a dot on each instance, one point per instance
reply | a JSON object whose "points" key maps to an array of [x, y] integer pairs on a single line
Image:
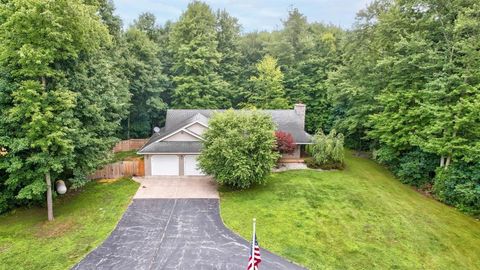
{"points": [[300, 110]]}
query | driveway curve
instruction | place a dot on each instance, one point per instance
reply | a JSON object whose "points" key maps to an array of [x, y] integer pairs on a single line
{"points": [[175, 234]]}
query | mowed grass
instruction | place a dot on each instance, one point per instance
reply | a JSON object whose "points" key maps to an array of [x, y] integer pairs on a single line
{"points": [[83, 219], [125, 155], [359, 218]]}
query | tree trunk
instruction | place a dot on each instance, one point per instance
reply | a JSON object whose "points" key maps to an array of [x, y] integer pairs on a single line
{"points": [[448, 161], [442, 161], [49, 196]]}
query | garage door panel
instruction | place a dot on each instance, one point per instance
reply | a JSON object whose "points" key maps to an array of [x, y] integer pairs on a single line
{"points": [[165, 165], [191, 165]]}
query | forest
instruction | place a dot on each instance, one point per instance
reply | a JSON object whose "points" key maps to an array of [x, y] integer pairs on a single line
{"points": [[402, 84]]}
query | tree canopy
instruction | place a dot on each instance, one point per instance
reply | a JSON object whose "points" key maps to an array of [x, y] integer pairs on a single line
{"points": [[402, 84], [239, 148]]}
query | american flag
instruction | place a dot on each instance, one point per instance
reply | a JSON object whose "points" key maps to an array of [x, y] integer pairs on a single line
{"points": [[254, 259]]}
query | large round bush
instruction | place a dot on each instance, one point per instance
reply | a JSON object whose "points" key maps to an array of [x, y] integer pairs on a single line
{"points": [[239, 148]]}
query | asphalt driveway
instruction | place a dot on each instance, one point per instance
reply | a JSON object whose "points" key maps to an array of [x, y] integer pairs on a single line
{"points": [[175, 234]]}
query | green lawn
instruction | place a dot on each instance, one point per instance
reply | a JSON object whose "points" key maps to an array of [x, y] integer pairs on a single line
{"points": [[359, 218], [82, 221], [125, 155]]}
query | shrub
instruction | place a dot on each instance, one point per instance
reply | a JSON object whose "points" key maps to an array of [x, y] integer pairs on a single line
{"points": [[327, 149], [239, 148], [285, 143], [414, 167], [417, 168], [459, 185], [312, 164]]}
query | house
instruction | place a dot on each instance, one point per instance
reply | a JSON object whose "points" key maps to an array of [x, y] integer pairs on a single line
{"points": [[173, 149]]}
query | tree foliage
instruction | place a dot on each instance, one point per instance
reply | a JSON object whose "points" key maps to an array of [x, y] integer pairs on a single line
{"points": [[146, 81], [408, 87], [460, 186], [51, 122], [327, 149], [267, 90], [193, 41], [239, 148], [285, 144], [403, 82]]}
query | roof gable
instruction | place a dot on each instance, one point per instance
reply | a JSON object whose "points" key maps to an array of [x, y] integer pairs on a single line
{"points": [[179, 120], [285, 120]]}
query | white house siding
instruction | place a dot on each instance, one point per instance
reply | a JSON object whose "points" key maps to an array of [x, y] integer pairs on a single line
{"points": [[181, 136], [197, 128]]}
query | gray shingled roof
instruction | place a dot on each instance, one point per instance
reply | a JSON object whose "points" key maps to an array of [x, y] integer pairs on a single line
{"points": [[172, 147], [285, 120]]}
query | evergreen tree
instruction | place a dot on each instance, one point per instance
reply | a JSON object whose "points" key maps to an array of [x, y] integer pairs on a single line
{"points": [[267, 87], [194, 46]]}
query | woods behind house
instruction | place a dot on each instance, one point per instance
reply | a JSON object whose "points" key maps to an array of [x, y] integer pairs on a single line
{"points": [[403, 83]]}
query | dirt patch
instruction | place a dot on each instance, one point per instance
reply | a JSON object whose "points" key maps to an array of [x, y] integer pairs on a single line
{"points": [[4, 247], [133, 158], [55, 229], [108, 181]]}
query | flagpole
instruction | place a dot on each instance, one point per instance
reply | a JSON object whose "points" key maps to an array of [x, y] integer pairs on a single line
{"points": [[253, 240]]}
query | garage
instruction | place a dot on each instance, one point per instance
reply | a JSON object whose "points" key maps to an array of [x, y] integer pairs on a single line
{"points": [[172, 165], [191, 165], [165, 165]]}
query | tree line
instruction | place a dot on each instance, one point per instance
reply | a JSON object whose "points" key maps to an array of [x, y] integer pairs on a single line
{"points": [[403, 83]]}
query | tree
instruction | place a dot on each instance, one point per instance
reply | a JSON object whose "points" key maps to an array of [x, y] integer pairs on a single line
{"points": [[239, 148], [102, 100], [147, 82], [293, 41], [193, 42], [285, 143], [354, 84], [327, 149], [146, 23], [228, 36], [267, 87], [40, 40], [431, 95]]}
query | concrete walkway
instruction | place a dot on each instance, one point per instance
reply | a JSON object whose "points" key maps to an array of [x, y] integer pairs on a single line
{"points": [[169, 187]]}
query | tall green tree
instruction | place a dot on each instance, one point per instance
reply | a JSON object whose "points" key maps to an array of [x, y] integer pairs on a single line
{"points": [[147, 23], [267, 91], [228, 36], [432, 92], [354, 84], [194, 46], [146, 81], [40, 41]]}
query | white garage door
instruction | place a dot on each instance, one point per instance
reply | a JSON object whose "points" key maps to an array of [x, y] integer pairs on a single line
{"points": [[190, 165], [165, 165]]}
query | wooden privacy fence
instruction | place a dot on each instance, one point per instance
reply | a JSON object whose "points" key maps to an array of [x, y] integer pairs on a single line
{"points": [[128, 145], [121, 169]]}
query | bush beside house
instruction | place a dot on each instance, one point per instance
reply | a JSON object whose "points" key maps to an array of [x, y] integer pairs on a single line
{"points": [[326, 151], [239, 148], [285, 144]]}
